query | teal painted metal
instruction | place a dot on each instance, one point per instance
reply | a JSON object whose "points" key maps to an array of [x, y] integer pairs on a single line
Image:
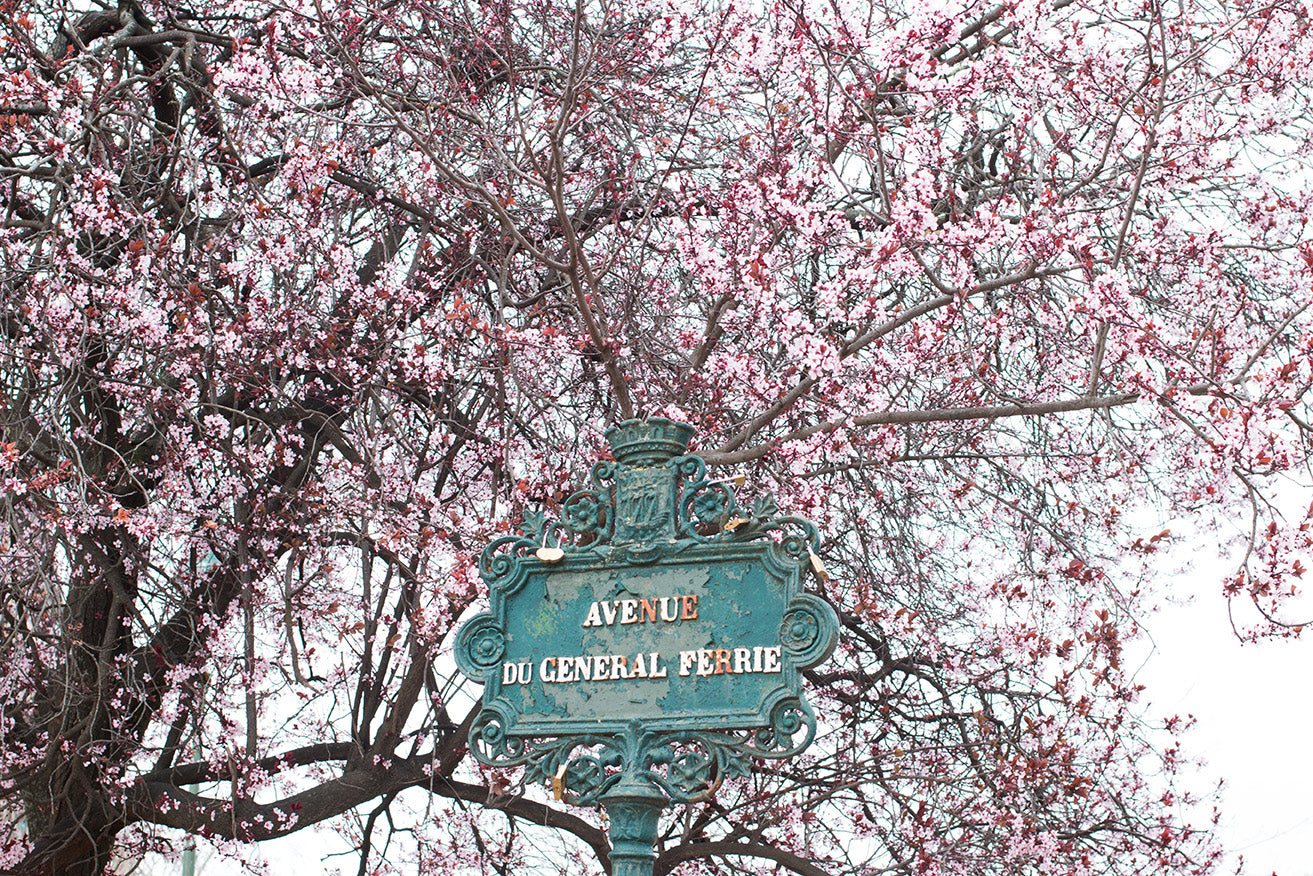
{"points": [[650, 642]]}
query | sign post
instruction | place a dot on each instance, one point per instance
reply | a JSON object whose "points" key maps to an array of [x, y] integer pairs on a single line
{"points": [[650, 643]]}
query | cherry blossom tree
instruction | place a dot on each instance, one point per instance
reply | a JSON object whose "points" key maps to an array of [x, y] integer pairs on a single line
{"points": [[303, 303]]}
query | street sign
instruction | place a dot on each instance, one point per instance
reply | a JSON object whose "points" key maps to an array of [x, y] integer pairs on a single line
{"points": [[649, 643]]}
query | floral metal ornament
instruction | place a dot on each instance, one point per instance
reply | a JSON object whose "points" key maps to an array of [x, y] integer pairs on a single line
{"points": [[656, 648]]}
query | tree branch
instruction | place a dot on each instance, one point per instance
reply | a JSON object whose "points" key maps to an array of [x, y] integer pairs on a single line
{"points": [[670, 858], [898, 418]]}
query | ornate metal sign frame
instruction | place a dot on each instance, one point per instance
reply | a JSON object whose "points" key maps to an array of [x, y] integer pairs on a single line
{"points": [[650, 516]]}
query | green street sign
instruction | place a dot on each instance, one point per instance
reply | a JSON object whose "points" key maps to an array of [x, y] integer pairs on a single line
{"points": [[650, 642], [709, 638]]}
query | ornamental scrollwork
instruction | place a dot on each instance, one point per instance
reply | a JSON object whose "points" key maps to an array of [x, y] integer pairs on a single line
{"points": [[792, 728], [691, 509], [687, 767], [492, 744]]}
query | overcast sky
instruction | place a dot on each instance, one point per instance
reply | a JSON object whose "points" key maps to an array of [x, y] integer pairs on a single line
{"points": [[1254, 705]]}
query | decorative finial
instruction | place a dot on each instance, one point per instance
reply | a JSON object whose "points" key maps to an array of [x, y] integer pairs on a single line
{"points": [[642, 443]]}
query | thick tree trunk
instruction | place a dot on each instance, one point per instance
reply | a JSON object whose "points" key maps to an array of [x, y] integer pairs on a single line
{"points": [[77, 844]]}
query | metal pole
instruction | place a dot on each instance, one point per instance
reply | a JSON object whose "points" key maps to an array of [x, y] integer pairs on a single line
{"points": [[634, 808], [189, 857], [189, 847]]}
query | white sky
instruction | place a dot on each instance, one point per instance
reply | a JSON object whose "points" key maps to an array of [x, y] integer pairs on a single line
{"points": [[1254, 705]]}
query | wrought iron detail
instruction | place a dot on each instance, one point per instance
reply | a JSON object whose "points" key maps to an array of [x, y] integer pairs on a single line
{"points": [[651, 515], [687, 767]]}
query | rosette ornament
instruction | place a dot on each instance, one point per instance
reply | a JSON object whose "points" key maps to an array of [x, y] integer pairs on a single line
{"points": [[808, 630], [480, 646]]}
